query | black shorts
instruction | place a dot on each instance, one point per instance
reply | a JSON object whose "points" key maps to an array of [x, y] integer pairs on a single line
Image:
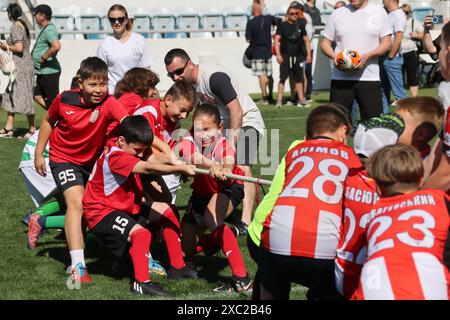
{"points": [[294, 64], [67, 175], [47, 86], [366, 93], [247, 146], [196, 206], [277, 272], [411, 65], [113, 231]]}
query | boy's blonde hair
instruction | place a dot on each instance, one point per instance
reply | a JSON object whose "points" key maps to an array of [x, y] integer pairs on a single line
{"points": [[427, 109], [396, 167]]}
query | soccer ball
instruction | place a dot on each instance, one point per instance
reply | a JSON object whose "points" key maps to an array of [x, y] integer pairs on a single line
{"points": [[347, 59]]}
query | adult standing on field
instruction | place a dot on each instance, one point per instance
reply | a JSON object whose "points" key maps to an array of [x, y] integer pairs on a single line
{"points": [[218, 85], [20, 98], [46, 65], [364, 27], [123, 50]]}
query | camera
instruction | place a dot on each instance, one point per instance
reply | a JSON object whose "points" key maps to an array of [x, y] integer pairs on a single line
{"points": [[437, 19]]}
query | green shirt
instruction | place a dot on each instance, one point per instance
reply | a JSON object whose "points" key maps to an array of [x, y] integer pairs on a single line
{"points": [[43, 44], [265, 207]]}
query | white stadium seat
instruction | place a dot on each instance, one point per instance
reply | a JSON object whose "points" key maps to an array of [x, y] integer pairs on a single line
{"points": [[187, 21], [212, 21], [236, 20], [164, 22], [205, 35]]}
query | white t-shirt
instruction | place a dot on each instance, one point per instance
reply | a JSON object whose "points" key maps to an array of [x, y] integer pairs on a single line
{"points": [[214, 82], [361, 30], [409, 45], [121, 57], [397, 20], [27, 157], [309, 29]]}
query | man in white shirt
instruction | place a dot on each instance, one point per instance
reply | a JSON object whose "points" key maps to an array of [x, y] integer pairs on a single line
{"points": [[364, 27], [391, 68], [218, 86]]}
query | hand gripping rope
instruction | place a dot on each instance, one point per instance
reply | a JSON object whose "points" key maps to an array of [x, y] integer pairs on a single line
{"points": [[257, 181]]}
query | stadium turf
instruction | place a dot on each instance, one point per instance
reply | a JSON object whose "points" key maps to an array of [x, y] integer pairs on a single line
{"points": [[40, 274]]}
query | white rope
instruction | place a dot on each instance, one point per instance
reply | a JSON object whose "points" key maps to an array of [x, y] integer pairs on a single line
{"points": [[238, 177]]}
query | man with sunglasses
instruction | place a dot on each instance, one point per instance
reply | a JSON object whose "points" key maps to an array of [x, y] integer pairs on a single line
{"points": [[216, 85], [46, 65]]}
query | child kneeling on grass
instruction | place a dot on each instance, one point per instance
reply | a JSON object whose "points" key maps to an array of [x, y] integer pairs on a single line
{"points": [[113, 196], [212, 201]]}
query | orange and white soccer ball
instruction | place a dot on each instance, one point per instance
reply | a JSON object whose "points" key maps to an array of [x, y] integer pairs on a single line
{"points": [[347, 59]]}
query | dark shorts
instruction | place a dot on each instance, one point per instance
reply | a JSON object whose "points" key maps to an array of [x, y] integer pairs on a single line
{"points": [[113, 231], [47, 86], [247, 146], [366, 93], [292, 64], [277, 272], [67, 175], [411, 65], [196, 206]]}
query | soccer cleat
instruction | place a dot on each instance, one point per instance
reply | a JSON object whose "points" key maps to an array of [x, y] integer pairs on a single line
{"points": [[236, 284], [242, 228], [150, 288], [34, 231], [183, 273], [80, 274], [155, 267]]}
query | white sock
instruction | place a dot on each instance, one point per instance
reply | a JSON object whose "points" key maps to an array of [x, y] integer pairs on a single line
{"points": [[77, 256]]}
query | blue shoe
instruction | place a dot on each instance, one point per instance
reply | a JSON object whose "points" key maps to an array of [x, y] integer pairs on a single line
{"points": [[26, 219], [155, 267], [80, 273]]}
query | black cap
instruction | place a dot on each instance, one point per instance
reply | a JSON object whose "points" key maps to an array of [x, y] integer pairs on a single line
{"points": [[297, 5], [44, 9]]}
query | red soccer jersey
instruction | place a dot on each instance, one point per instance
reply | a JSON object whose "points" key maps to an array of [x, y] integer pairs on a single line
{"points": [[204, 186], [112, 186], [80, 132], [406, 237], [161, 127], [359, 197], [306, 218]]}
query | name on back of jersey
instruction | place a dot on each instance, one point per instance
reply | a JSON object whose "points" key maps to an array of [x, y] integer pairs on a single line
{"points": [[320, 149], [359, 195], [418, 200]]}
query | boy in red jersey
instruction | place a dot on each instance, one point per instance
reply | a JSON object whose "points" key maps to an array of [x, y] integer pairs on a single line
{"points": [[406, 233], [113, 196], [301, 234], [359, 197], [76, 125]]}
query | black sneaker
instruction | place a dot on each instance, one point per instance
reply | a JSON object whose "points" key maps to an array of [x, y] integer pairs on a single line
{"points": [[242, 228], [236, 284], [184, 273], [150, 288]]}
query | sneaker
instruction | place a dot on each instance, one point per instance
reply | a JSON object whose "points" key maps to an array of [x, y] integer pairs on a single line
{"points": [[34, 231], [236, 284], [263, 102], [278, 104], [242, 228], [80, 273], [149, 287], [289, 103], [6, 133], [304, 103], [155, 267], [183, 273], [26, 219]]}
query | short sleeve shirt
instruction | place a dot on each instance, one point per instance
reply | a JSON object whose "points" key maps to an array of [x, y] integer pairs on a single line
{"points": [[258, 32], [43, 44], [292, 43]]}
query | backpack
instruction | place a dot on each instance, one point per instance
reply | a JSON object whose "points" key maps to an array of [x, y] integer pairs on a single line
{"points": [[7, 71]]}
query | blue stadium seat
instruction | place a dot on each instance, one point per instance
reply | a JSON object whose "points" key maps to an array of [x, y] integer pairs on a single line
{"points": [[188, 21], [64, 22], [89, 23], [212, 21], [236, 20], [420, 12]]}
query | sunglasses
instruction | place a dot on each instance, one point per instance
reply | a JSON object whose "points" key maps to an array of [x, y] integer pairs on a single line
{"points": [[293, 13], [177, 72], [119, 20]]}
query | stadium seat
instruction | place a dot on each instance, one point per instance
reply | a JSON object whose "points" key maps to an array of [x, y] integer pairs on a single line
{"points": [[228, 34], [141, 23], [4, 4], [89, 23], [163, 22], [64, 22], [188, 21], [420, 12], [236, 20], [205, 35], [106, 26], [155, 35], [212, 21]]}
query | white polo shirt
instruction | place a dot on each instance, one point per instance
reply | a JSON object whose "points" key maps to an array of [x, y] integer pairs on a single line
{"points": [[361, 30]]}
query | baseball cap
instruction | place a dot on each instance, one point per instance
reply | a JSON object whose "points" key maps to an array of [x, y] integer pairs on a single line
{"points": [[44, 9], [296, 5], [376, 133]]}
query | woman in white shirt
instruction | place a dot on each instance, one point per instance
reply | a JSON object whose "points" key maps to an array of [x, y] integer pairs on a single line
{"points": [[124, 49]]}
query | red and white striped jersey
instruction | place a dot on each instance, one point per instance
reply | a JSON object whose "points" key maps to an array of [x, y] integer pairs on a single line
{"points": [[306, 218], [359, 197], [112, 187], [406, 238], [161, 127]]}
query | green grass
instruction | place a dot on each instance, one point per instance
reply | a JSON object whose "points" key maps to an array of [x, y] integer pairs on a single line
{"points": [[40, 274]]}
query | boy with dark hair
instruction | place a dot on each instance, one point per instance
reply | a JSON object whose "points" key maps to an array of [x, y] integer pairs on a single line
{"points": [[76, 125], [406, 233], [301, 233], [113, 197]]}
